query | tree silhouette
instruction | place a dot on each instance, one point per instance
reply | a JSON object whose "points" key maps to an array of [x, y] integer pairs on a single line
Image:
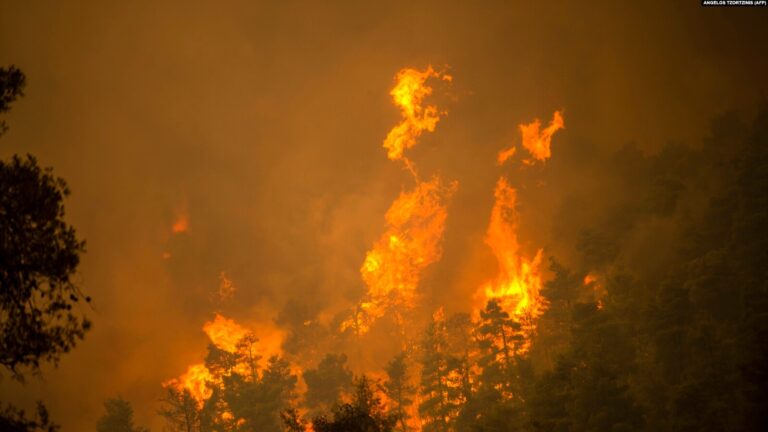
{"points": [[12, 81], [364, 414], [326, 383], [399, 389], [118, 417], [39, 254]]}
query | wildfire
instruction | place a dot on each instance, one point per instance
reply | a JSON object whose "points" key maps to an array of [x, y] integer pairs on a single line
{"points": [[592, 281], [518, 283], [195, 380], [224, 333], [415, 220], [181, 222], [537, 141], [506, 154], [408, 94], [412, 241]]}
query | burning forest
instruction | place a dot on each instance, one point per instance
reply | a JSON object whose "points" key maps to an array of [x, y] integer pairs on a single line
{"points": [[383, 221]]}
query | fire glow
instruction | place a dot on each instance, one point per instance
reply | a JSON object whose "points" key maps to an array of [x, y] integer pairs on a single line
{"points": [[415, 220], [518, 284], [227, 335], [412, 241]]}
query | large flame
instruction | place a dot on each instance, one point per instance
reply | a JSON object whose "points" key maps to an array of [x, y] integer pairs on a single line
{"points": [[412, 241], [224, 333], [408, 94], [195, 380], [518, 284], [415, 221]]}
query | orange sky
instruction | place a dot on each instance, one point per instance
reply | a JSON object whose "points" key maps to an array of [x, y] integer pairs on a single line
{"points": [[262, 122]]}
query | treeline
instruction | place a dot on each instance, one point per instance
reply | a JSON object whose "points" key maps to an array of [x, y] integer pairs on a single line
{"points": [[668, 333], [679, 341]]}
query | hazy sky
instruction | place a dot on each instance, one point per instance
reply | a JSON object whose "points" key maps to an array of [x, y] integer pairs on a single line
{"points": [[263, 121]]}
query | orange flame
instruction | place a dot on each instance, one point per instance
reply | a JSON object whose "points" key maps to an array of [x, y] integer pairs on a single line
{"points": [[224, 333], [538, 142], [415, 221], [181, 222], [518, 284], [195, 380], [392, 269], [505, 154], [408, 94], [589, 279], [599, 292]]}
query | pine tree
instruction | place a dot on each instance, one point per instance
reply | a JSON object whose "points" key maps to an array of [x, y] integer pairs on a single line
{"points": [[499, 340], [118, 417], [180, 410], [257, 405], [399, 389], [434, 408], [365, 413], [327, 382]]}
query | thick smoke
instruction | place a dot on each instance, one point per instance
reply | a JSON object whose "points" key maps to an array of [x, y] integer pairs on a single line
{"points": [[257, 128]]}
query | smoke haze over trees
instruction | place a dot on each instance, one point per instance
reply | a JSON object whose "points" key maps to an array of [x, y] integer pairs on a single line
{"points": [[226, 161]]}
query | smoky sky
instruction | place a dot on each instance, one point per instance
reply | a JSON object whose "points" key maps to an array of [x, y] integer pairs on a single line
{"points": [[263, 121]]}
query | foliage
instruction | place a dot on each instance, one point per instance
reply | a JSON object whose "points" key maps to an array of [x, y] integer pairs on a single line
{"points": [[39, 254], [12, 81], [644, 332], [364, 414], [118, 417], [399, 389], [13, 419], [328, 381], [180, 410]]}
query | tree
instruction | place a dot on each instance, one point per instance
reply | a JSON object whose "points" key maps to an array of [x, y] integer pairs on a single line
{"points": [[364, 414], [12, 82], [13, 419], [326, 383], [118, 417], [497, 403], [180, 410], [460, 349], [293, 421], [39, 254], [399, 389], [434, 408], [499, 339]]}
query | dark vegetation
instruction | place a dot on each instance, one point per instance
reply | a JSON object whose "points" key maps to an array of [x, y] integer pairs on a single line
{"points": [[39, 254], [679, 345]]}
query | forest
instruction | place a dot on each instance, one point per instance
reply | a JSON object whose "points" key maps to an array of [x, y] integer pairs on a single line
{"points": [[678, 348], [383, 216], [619, 344]]}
